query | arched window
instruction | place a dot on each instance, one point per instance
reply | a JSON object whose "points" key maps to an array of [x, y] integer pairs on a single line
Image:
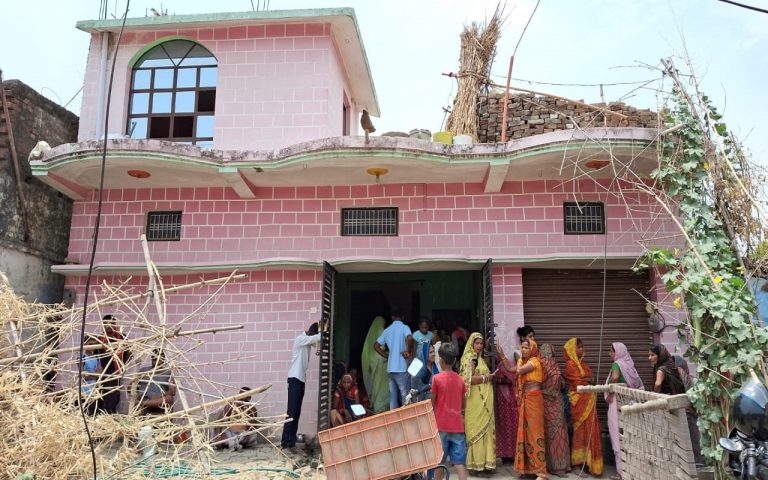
{"points": [[173, 94]]}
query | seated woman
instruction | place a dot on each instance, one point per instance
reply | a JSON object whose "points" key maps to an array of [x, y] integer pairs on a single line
{"points": [[236, 424], [422, 381], [343, 399], [157, 390]]}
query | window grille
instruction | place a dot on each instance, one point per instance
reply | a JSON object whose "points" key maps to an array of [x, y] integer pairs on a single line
{"points": [[584, 218], [163, 226], [378, 221]]}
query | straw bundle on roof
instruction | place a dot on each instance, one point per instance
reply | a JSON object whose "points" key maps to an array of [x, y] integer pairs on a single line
{"points": [[478, 45]]}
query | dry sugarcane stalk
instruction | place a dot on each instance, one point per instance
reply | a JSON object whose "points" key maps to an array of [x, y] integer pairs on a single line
{"points": [[94, 305], [88, 348], [202, 406], [476, 57], [159, 306]]}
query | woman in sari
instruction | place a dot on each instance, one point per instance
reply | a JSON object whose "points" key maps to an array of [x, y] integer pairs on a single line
{"points": [[343, 398], [375, 375], [622, 371], [555, 429], [506, 409], [586, 447], [666, 376], [530, 458], [479, 421]]}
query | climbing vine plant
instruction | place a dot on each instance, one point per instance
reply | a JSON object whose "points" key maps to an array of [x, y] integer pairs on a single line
{"points": [[706, 275]]}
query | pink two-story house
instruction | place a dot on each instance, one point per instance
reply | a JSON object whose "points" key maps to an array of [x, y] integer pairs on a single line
{"points": [[234, 145]]}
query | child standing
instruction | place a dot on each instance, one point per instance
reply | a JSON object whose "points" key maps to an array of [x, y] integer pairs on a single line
{"points": [[423, 339], [448, 391]]}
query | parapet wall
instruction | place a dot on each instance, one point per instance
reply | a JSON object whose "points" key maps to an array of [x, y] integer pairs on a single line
{"points": [[531, 114]]}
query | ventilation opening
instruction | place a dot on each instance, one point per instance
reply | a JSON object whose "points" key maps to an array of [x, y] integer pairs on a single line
{"points": [[378, 221], [584, 218], [163, 226]]}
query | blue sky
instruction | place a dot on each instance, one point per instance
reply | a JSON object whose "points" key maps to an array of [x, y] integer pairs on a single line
{"points": [[410, 43]]}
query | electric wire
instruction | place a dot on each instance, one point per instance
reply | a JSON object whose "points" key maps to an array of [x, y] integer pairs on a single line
{"points": [[742, 5], [514, 52], [557, 84], [96, 241]]}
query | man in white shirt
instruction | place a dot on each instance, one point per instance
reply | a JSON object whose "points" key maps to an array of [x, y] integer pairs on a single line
{"points": [[297, 375]]}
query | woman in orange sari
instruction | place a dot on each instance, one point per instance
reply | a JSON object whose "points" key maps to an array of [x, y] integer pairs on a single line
{"points": [[586, 448], [530, 457]]}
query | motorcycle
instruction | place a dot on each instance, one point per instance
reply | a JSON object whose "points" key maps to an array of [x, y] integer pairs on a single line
{"points": [[747, 445]]}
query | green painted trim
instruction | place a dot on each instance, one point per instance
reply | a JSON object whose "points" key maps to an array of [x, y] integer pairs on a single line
{"points": [[146, 48], [92, 26], [95, 156], [140, 269], [493, 159]]}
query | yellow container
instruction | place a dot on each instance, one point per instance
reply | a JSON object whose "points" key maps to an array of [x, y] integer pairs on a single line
{"points": [[443, 137]]}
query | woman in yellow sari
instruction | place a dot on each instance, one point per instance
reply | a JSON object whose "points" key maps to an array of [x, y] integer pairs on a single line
{"points": [[375, 374], [479, 421], [586, 447]]}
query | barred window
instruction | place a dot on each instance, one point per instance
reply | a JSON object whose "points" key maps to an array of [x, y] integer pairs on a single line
{"points": [[163, 226], [584, 218], [376, 221]]}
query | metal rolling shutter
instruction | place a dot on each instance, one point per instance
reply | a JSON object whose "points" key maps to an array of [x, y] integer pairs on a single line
{"points": [[560, 304]]}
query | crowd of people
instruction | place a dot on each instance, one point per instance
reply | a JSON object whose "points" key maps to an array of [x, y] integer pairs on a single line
{"points": [[525, 410]]}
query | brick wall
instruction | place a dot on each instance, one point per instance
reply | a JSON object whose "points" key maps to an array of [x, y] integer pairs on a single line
{"points": [[524, 220], [27, 256], [531, 114], [275, 83]]}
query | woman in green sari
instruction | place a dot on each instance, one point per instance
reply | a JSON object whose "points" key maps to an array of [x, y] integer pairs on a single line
{"points": [[479, 418], [375, 369]]}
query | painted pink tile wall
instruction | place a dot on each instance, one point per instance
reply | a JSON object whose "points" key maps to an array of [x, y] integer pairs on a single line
{"points": [[523, 221], [272, 306], [274, 83]]}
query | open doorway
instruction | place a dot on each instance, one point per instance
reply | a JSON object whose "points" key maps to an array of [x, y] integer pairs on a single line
{"points": [[446, 299], [351, 301]]}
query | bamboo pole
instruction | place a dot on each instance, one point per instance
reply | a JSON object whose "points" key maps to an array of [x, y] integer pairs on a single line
{"points": [[159, 300], [506, 99], [201, 283], [203, 406], [88, 348]]}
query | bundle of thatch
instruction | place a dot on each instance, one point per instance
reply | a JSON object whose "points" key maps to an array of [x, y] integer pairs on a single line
{"points": [[478, 46]]}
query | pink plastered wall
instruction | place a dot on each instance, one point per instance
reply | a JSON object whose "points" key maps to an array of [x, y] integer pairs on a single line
{"points": [[272, 306], [522, 222], [277, 84]]}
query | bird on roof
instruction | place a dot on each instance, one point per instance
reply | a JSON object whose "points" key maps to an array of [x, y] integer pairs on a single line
{"points": [[365, 122]]}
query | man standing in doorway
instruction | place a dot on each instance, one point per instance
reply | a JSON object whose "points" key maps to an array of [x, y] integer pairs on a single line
{"points": [[399, 342], [297, 375]]}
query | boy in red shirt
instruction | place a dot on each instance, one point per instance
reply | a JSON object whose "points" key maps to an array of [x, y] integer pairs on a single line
{"points": [[448, 391]]}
